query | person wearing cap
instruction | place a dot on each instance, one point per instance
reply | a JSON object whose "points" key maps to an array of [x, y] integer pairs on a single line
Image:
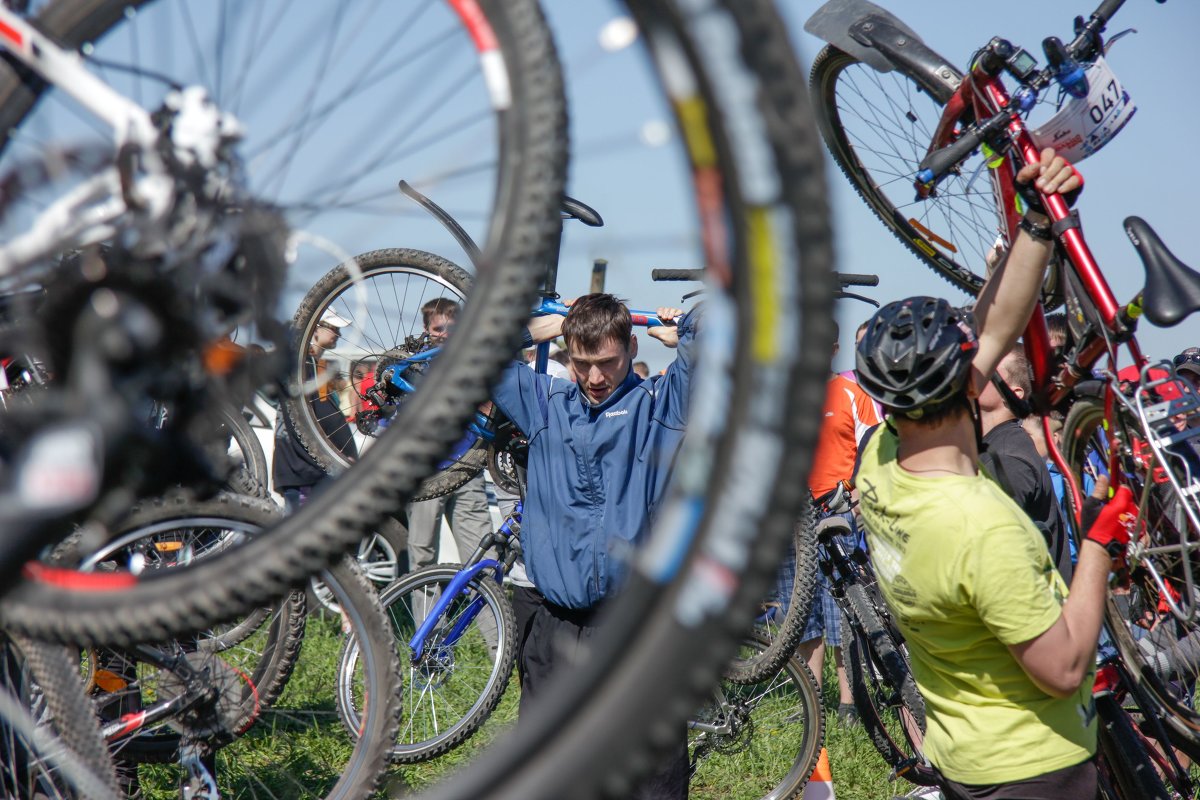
{"points": [[1002, 653], [1187, 364], [294, 472]]}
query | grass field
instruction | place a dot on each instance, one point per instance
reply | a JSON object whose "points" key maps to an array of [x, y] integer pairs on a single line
{"points": [[301, 741]]}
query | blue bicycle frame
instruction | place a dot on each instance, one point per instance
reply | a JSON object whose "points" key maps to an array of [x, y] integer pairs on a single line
{"points": [[456, 586]]}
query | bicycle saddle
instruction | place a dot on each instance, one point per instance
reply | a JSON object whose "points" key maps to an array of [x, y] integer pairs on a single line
{"points": [[1172, 290], [573, 209]]}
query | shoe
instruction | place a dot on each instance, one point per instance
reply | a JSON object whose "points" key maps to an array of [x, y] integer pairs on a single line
{"points": [[847, 715]]}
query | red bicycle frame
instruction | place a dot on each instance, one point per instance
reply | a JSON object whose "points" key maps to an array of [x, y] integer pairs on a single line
{"points": [[982, 96]]}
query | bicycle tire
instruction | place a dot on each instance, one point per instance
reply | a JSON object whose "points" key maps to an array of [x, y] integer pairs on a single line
{"points": [[796, 697], [69, 721], [250, 474], [958, 257], [181, 530], [885, 693], [410, 277], [689, 595], [521, 235], [1123, 756], [382, 556], [430, 727], [784, 637], [1126, 618]]}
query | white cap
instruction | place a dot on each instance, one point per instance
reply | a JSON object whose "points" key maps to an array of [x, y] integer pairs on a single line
{"points": [[333, 319]]}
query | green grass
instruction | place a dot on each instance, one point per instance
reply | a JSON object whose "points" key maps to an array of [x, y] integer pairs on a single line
{"points": [[303, 739]]}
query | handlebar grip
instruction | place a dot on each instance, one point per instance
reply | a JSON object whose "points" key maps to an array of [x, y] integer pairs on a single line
{"points": [[1107, 9], [935, 165], [677, 274], [857, 279]]}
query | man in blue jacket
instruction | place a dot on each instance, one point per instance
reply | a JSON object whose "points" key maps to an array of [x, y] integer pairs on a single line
{"points": [[601, 450]]}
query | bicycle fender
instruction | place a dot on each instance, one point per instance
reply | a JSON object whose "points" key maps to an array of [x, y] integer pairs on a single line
{"points": [[877, 38]]}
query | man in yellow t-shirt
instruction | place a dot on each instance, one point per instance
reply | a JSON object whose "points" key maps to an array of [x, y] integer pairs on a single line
{"points": [[1002, 654]]}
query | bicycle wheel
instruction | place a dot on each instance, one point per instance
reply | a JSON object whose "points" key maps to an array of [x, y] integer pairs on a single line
{"points": [[50, 742], [253, 656], [464, 667], [1159, 648], [730, 75], [1122, 756], [380, 295], [249, 472], [520, 233], [382, 556], [760, 739], [885, 694], [298, 747], [755, 665], [878, 126]]}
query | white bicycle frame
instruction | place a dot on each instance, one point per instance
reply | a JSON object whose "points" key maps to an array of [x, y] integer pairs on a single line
{"points": [[88, 213]]}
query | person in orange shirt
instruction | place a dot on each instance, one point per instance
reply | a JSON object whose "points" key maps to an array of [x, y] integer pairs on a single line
{"points": [[849, 414]]}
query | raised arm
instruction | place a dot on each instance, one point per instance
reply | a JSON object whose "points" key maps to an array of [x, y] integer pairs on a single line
{"points": [[1010, 294]]}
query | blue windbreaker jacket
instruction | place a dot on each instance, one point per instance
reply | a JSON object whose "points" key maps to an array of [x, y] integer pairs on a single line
{"points": [[596, 472]]}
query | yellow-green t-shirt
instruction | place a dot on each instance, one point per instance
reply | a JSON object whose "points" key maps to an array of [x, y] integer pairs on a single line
{"points": [[966, 574]]}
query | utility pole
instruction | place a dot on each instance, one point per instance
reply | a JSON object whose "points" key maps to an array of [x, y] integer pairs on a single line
{"points": [[599, 268]]}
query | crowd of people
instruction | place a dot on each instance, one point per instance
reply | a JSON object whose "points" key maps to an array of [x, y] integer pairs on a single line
{"points": [[961, 508]]}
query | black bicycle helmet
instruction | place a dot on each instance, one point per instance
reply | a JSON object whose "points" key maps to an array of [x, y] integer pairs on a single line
{"points": [[916, 354]]}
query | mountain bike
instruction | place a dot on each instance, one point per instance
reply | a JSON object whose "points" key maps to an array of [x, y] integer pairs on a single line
{"points": [[762, 738], [957, 128], [761, 211], [198, 711], [511, 49]]}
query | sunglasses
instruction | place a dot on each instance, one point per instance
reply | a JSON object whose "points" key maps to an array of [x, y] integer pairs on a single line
{"points": [[1190, 356]]}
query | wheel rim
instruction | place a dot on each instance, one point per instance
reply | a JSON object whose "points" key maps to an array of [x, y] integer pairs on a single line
{"points": [[383, 308], [886, 126]]}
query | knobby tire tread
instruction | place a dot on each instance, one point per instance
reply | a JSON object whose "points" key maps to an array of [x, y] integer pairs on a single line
{"points": [[651, 666], [826, 68], [55, 669], [872, 644], [1123, 755], [797, 777], [787, 637], [302, 423], [523, 231]]}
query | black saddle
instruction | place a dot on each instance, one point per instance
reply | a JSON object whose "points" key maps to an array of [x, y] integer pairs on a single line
{"points": [[1172, 290]]}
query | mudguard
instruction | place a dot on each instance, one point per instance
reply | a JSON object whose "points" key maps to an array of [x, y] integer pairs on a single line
{"points": [[872, 35]]}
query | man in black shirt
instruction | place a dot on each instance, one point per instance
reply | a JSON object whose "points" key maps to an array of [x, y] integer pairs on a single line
{"points": [[1011, 457]]}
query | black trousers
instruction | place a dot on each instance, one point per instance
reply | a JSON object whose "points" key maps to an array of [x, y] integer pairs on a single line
{"points": [[550, 637], [1078, 781]]}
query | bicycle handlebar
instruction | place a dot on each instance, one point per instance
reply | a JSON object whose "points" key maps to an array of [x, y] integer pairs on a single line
{"points": [[676, 274], [857, 279], [844, 278]]}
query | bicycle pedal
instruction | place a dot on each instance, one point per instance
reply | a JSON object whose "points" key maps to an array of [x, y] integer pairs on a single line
{"points": [[902, 768]]}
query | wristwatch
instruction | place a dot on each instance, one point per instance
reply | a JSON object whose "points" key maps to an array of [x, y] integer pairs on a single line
{"points": [[1038, 230]]}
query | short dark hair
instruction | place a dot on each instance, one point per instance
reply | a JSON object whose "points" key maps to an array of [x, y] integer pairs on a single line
{"points": [[1056, 326], [596, 318], [439, 307], [1019, 373]]}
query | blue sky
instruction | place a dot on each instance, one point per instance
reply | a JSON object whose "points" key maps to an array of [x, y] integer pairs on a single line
{"points": [[1148, 170], [385, 91]]}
